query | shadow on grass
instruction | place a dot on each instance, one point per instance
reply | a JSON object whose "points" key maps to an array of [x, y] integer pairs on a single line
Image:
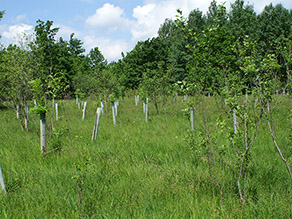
{"points": [[4, 107]]}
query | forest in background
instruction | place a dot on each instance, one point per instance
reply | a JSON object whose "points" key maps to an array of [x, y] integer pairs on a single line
{"points": [[202, 52]]}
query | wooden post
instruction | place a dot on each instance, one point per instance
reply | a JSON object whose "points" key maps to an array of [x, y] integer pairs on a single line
{"points": [[57, 112], [192, 117], [144, 107], [96, 124], [43, 132], [114, 115], [84, 110], [2, 182]]}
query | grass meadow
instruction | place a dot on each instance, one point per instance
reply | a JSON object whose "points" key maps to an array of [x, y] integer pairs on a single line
{"points": [[137, 169]]}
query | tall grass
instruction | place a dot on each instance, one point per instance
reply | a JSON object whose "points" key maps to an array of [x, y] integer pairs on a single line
{"points": [[136, 169]]}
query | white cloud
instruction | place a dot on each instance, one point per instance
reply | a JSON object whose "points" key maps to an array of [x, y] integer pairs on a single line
{"points": [[15, 33], [260, 5], [108, 17], [66, 31], [111, 49], [152, 14], [21, 18]]}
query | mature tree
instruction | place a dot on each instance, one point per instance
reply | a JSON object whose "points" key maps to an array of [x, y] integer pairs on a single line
{"points": [[97, 60], [242, 20], [274, 21], [214, 58], [134, 66]]}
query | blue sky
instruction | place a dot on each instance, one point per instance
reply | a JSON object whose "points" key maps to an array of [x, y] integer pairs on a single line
{"points": [[114, 26]]}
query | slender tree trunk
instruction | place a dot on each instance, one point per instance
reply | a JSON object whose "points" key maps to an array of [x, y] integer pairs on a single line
{"points": [[105, 103], [270, 124]]}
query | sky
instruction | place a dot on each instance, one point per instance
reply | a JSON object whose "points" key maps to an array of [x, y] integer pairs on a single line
{"points": [[114, 26]]}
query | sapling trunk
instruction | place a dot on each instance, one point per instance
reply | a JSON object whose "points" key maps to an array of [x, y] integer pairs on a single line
{"points": [[2, 182], [43, 132], [52, 116], [270, 124], [105, 102], [210, 143]]}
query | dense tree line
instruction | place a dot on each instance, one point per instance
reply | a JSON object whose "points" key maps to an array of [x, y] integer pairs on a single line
{"points": [[207, 49], [203, 50], [60, 66]]}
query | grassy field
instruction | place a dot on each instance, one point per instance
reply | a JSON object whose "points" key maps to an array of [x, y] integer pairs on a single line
{"points": [[137, 169]]}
